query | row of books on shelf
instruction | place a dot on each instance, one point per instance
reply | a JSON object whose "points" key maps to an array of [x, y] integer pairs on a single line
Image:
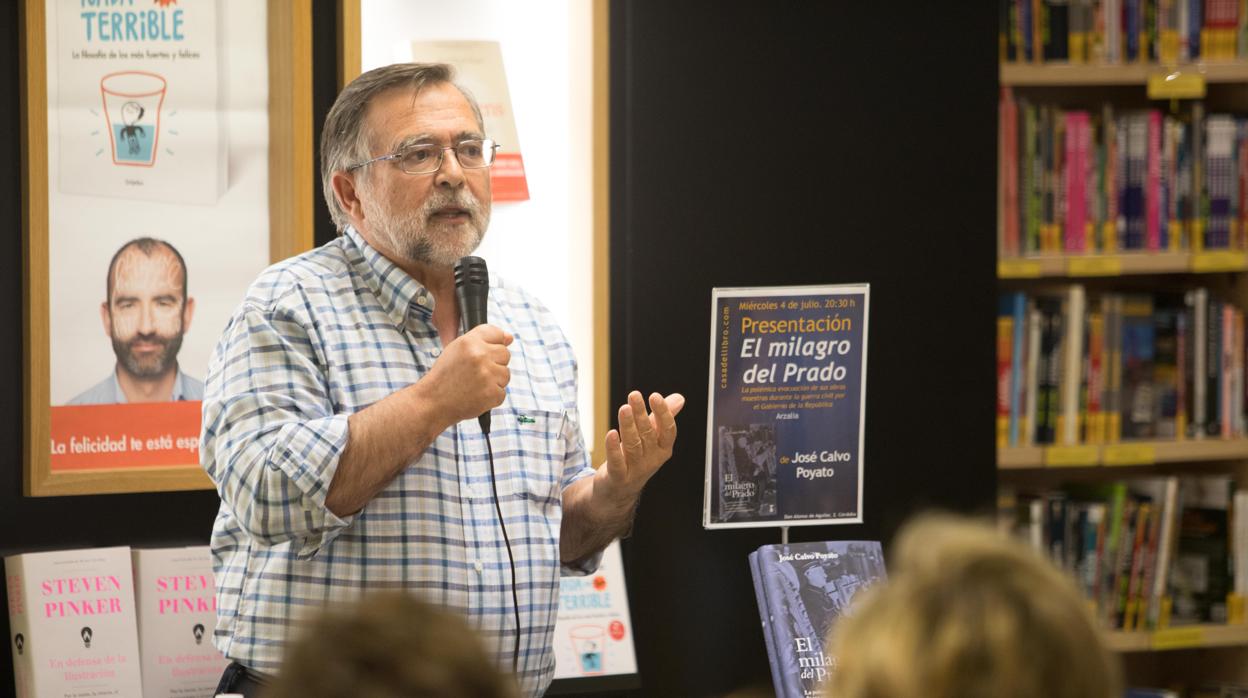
{"points": [[1206, 689], [1075, 181], [1118, 31], [113, 621], [1074, 369], [1149, 553]]}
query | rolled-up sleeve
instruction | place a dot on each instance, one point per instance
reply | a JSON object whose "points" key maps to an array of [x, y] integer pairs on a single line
{"points": [[576, 466], [271, 439]]}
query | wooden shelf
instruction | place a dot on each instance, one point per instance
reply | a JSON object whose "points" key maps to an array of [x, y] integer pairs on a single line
{"points": [[1183, 637], [1064, 74], [1121, 454], [1125, 264]]}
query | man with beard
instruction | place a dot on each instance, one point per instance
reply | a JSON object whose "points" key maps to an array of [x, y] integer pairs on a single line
{"points": [[340, 410], [145, 313]]}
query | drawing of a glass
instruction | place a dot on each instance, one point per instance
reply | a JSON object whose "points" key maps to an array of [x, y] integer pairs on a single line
{"points": [[587, 640], [132, 101]]}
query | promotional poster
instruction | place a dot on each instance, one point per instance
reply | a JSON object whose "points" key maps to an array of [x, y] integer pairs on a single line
{"points": [[787, 391], [158, 221], [593, 630], [479, 69]]}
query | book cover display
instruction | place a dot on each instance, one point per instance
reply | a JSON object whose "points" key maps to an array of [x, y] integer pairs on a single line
{"points": [[177, 610], [479, 68], [137, 102], [802, 589], [787, 392], [142, 206], [593, 629], [72, 619]]}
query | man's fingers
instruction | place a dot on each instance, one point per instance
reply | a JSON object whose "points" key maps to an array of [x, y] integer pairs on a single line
{"points": [[664, 420], [615, 454], [499, 354], [641, 418], [491, 334], [675, 403], [629, 437]]}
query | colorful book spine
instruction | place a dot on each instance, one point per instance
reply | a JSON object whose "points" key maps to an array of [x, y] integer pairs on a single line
{"points": [[1152, 198]]}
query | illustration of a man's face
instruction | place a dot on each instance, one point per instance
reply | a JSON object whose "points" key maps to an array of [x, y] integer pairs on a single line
{"points": [[147, 311], [816, 576]]}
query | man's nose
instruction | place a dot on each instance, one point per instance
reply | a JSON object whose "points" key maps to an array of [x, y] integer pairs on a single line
{"points": [[450, 174], [147, 319]]}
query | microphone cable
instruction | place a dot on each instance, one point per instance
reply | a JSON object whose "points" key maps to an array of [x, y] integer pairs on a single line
{"points": [[511, 558]]}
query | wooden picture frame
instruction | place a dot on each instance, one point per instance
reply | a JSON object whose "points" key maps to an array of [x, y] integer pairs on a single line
{"points": [[290, 199]]}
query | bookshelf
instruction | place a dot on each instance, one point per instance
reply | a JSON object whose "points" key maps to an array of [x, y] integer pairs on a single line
{"points": [[1122, 264], [1206, 636], [1130, 453], [1135, 74], [1103, 264]]}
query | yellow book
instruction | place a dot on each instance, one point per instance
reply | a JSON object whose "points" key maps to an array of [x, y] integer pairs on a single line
{"points": [[1168, 50], [1078, 47], [1109, 233]]}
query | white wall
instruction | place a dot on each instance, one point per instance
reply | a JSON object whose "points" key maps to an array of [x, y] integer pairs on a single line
{"points": [[543, 243]]}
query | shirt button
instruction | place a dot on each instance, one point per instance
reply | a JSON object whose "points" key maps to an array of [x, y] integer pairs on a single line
{"points": [[422, 300], [476, 565], [435, 352]]}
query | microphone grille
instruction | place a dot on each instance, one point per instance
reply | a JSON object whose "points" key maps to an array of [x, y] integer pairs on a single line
{"points": [[471, 271]]}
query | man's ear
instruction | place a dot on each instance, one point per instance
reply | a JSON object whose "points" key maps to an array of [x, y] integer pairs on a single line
{"points": [[188, 311], [106, 319], [348, 196]]}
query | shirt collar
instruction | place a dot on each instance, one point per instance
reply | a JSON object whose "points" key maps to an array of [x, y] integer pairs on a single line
{"points": [[397, 291], [179, 388]]}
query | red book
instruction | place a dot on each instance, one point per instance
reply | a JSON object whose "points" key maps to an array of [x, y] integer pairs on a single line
{"points": [[1078, 131], [1152, 191], [1010, 243]]}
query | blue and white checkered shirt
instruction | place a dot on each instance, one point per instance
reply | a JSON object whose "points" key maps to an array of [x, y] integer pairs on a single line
{"points": [[324, 335]]}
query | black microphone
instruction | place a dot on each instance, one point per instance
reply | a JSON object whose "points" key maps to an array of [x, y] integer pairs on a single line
{"points": [[472, 288]]}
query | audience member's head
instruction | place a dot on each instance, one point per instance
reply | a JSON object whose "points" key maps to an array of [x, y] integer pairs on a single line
{"points": [[967, 613], [389, 645]]}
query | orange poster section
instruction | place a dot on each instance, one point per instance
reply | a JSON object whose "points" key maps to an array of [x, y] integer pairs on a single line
{"points": [[112, 437], [507, 178]]}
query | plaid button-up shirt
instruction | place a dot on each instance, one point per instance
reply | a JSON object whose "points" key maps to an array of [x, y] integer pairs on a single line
{"points": [[326, 334]]}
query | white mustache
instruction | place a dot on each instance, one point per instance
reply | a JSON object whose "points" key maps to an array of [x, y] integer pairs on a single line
{"points": [[463, 200]]}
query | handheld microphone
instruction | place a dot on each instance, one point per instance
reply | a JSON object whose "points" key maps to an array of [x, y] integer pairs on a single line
{"points": [[472, 288]]}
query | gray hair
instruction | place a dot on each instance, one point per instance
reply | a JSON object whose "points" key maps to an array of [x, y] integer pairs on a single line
{"points": [[345, 138]]}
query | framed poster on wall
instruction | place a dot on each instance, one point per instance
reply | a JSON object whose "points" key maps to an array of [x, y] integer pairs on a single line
{"points": [[157, 184]]}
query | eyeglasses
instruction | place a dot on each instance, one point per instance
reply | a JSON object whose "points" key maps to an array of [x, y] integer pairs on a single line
{"points": [[425, 158]]}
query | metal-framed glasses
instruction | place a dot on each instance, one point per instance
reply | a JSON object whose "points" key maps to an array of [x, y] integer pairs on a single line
{"points": [[426, 158]]}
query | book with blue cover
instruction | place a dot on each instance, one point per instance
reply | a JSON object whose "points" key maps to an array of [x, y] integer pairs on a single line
{"points": [[802, 589]]}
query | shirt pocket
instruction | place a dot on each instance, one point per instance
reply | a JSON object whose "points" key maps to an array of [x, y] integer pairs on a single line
{"points": [[532, 436]]}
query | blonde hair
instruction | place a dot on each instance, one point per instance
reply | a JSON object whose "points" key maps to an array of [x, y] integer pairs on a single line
{"points": [[968, 613]]}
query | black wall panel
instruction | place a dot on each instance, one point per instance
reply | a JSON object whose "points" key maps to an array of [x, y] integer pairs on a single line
{"points": [[799, 143]]}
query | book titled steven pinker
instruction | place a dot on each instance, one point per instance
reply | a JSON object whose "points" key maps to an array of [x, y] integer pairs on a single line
{"points": [[177, 609], [72, 624], [786, 396]]}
